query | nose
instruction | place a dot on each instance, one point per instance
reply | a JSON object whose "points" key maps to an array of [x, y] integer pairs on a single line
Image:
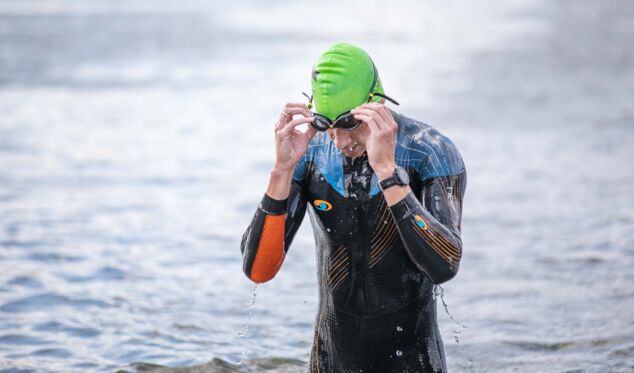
{"points": [[341, 137]]}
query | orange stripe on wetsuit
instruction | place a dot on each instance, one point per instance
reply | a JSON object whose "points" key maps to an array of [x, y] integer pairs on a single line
{"points": [[270, 252]]}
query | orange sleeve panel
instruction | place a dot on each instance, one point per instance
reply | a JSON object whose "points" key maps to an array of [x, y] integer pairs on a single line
{"points": [[270, 252]]}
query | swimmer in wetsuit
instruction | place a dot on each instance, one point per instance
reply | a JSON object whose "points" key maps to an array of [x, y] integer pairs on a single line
{"points": [[385, 194]]}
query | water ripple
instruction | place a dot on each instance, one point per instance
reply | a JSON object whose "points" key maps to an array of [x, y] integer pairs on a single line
{"points": [[22, 339], [26, 281], [56, 327], [48, 300], [107, 273]]}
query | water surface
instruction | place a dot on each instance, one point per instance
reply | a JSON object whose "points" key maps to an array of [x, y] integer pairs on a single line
{"points": [[136, 140]]}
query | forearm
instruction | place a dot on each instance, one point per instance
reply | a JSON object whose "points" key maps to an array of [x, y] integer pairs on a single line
{"points": [[268, 237], [262, 244], [266, 240], [432, 247], [279, 183], [395, 193]]}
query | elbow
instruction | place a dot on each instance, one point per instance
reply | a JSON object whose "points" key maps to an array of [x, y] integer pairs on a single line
{"points": [[257, 271], [264, 265], [263, 254], [446, 265], [443, 274], [259, 277], [438, 268], [260, 264]]}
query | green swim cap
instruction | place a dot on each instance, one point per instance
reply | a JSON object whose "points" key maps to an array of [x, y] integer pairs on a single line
{"points": [[342, 78]]}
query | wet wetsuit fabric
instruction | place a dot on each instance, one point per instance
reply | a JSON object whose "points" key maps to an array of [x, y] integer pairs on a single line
{"points": [[376, 264]]}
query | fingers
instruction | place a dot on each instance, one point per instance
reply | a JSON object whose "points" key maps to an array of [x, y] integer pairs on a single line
{"points": [[381, 109], [294, 104], [288, 128], [384, 113], [377, 114], [370, 120], [312, 131], [371, 117], [295, 108], [290, 109]]}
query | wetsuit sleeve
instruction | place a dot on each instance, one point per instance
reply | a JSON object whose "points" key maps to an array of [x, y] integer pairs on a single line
{"points": [[430, 226], [268, 237]]}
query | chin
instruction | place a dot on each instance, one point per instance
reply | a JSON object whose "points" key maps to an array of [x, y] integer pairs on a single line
{"points": [[355, 152], [359, 153]]}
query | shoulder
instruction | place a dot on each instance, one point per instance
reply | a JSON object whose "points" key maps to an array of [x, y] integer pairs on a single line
{"points": [[423, 148]]}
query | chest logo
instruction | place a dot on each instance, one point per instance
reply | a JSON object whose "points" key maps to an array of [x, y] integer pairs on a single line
{"points": [[420, 222], [322, 205]]}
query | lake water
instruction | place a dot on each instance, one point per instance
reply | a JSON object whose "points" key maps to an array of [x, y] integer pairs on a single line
{"points": [[136, 141]]}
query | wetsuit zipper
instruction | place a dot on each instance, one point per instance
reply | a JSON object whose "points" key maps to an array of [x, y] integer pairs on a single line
{"points": [[359, 174]]}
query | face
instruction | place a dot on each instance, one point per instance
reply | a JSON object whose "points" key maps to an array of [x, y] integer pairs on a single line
{"points": [[351, 143]]}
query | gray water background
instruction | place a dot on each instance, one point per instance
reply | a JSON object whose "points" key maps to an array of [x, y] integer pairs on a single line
{"points": [[136, 140]]}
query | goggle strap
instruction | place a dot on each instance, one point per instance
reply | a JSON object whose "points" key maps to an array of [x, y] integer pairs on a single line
{"points": [[374, 80], [385, 97], [310, 100]]}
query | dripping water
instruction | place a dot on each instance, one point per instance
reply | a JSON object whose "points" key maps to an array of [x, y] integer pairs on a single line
{"points": [[439, 291], [244, 333]]}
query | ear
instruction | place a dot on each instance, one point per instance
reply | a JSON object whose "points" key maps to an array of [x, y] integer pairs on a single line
{"points": [[382, 101]]}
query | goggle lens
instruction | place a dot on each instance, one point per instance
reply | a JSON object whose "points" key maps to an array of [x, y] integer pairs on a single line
{"points": [[345, 121], [320, 123]]}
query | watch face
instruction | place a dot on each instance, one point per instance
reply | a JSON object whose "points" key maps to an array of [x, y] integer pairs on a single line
{"points": [[402, 175]]}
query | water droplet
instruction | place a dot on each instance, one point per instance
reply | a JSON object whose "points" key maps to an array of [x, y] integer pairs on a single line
{"points": [[399, 329], [456, 334], [399, 353], [385, 222], [327, 229], [439, 291], [244, 333]]}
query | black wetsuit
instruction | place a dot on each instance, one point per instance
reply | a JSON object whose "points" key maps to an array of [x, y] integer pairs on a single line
{"points": [[376, 264]]}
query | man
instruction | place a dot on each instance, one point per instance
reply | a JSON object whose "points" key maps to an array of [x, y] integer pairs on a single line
{"points": [[386, 197]]}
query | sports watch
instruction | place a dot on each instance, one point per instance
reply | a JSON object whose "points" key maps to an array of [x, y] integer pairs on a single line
{"points": [[399, 177]]}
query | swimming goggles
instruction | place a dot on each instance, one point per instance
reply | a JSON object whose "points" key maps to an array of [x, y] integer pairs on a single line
{"points": [[345, 121]]}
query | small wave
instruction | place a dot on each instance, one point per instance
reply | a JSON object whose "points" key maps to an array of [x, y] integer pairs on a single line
{"points": [[21, 339], [24, 244], [48, 300], [26, 281], [107, 273], [541, 346], [274, 364], [623, 352], [52, 352], [54, 257], [76, 331]]}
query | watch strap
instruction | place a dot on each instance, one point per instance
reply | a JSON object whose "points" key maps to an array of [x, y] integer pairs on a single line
{"points": [[392, 180], [389, 182]]}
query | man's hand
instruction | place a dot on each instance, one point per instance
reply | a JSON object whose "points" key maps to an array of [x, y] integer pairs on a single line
{"points": [[382, 139], [290, 143], [290, 146], [381, 146]]}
